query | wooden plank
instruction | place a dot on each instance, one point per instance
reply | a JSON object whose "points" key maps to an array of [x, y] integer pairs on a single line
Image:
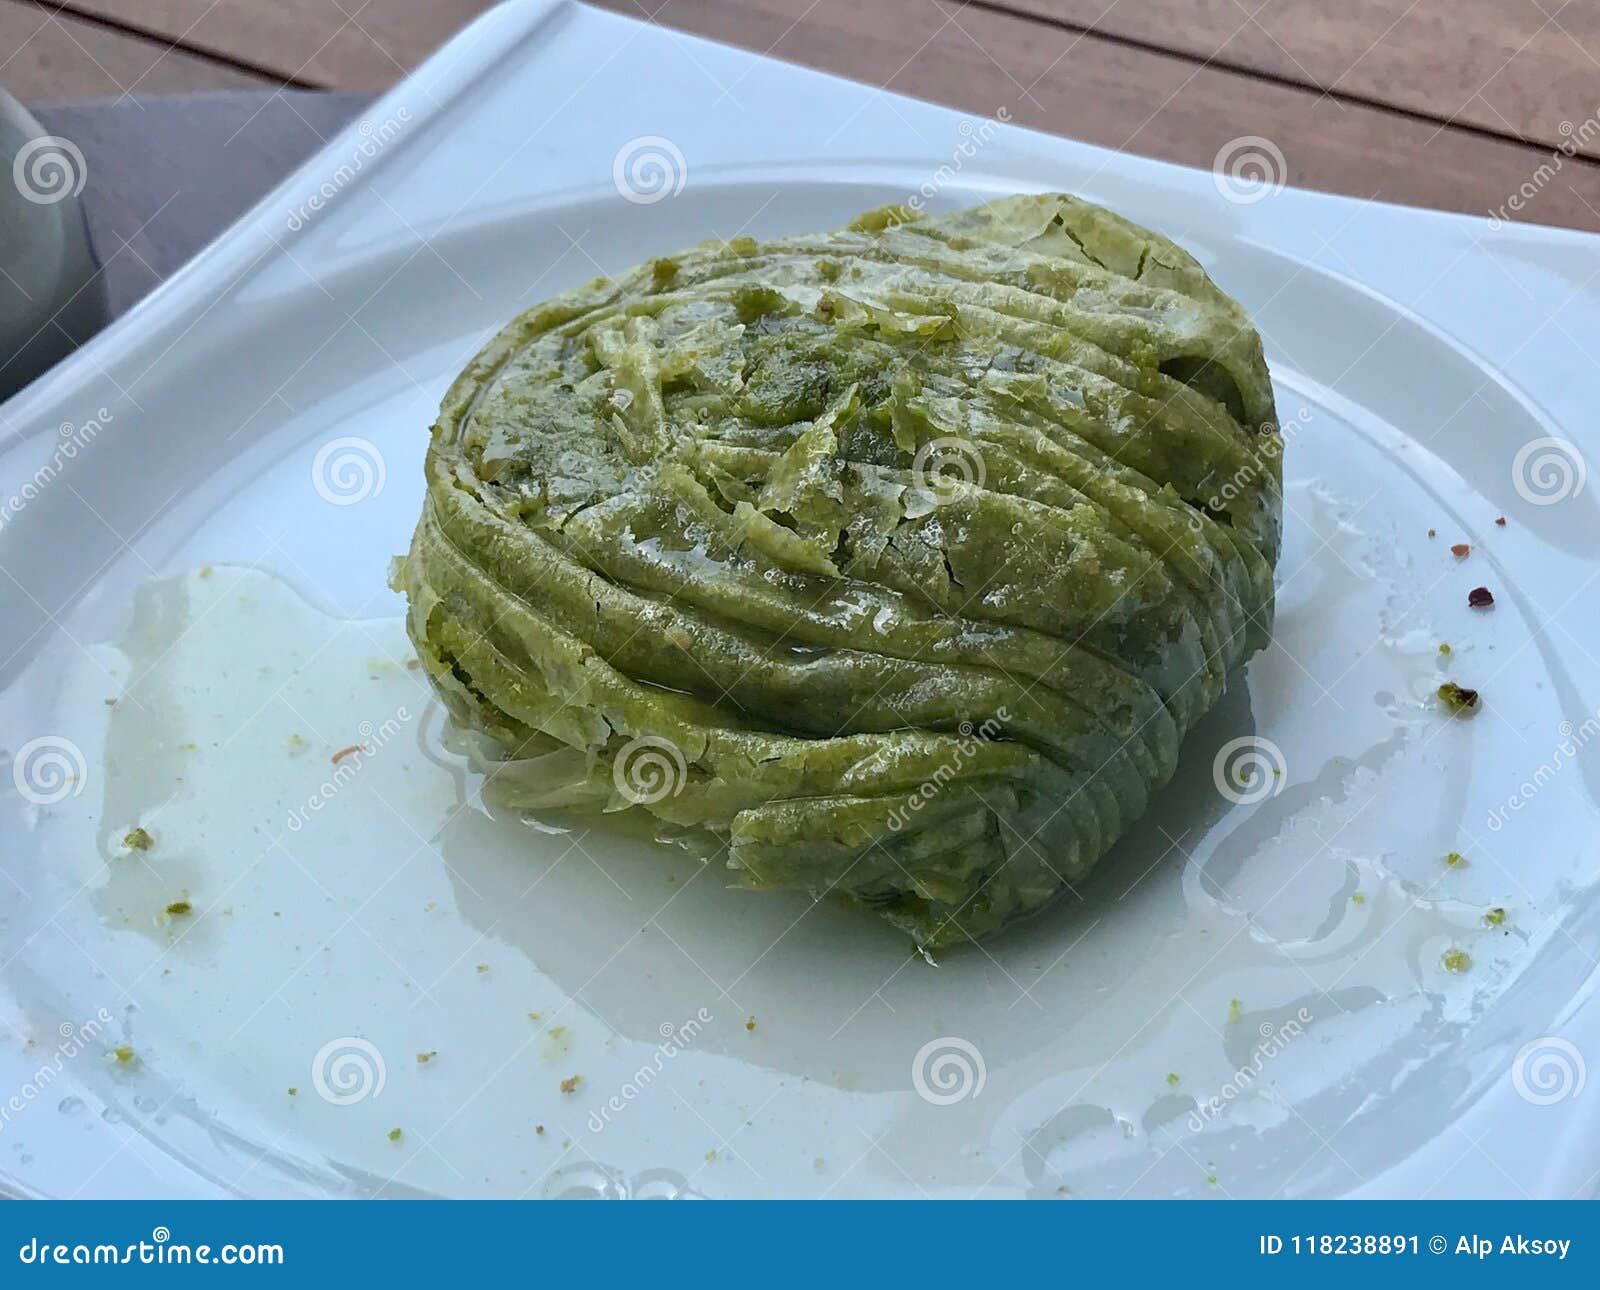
{"points": [[1515, 67], [54, 58], [1133, 99], [332, 44]]}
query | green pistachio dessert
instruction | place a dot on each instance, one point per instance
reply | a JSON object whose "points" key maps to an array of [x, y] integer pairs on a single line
{"points": [[896, 561]]}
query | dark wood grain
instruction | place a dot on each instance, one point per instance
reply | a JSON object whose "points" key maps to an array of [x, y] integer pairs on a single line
{"points": [[342, 44], [1131, 98], [1517, 68], [52, 58], [1454, 104]]}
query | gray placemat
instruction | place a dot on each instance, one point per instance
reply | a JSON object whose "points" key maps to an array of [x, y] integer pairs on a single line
{"points": [[166, 174]]}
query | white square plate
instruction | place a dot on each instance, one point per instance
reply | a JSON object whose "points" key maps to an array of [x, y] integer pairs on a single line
{"points": [[1252, 998]]}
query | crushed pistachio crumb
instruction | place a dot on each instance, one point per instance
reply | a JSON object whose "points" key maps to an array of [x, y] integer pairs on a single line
{"points": [[570, 1084], [1495, 917], [1456, 961], [1357, 898], [1172, 1079], [1456, 860], [1444, 649], [178, 908], [138, 839], [395, 1135], [293, 1092], [124, 1054], [749, 1023], [1235, 1009], [538, 1128], [1459, 700], [483, 967], [424, 1058]]}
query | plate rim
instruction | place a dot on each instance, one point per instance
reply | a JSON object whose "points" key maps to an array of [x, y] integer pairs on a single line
{"points": [[440, 83]]}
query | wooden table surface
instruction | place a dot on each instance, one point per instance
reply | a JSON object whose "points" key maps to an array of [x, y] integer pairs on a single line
{"points": [[1449, 103]]}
